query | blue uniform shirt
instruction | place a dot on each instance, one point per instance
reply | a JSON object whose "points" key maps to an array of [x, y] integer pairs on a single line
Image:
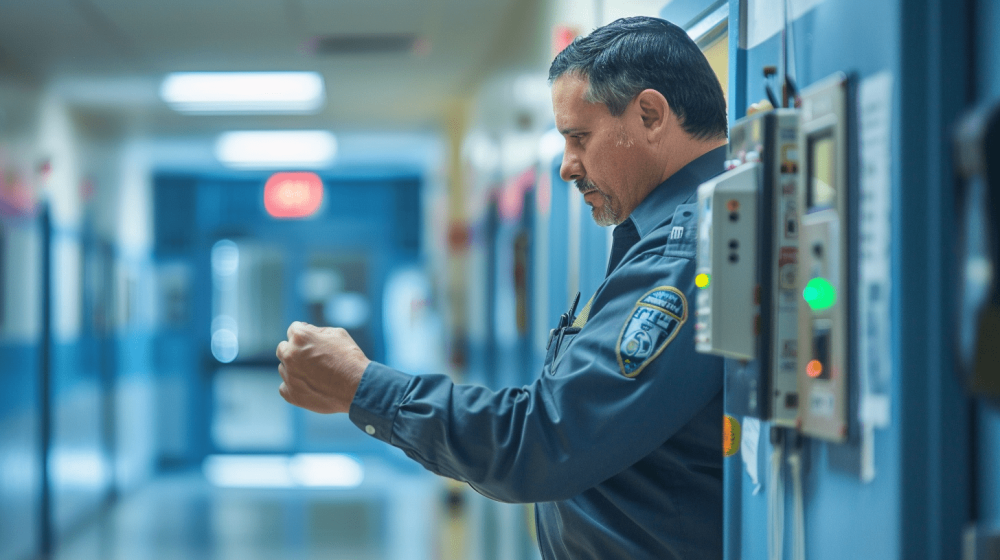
{"points": [[619, 440]]}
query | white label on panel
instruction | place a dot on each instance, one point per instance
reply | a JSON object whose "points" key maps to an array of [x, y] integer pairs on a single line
{"points": [[822, 403], [749, 444], [875, 251]]}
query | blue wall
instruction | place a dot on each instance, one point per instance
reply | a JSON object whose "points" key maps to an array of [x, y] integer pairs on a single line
{"points": [[20, 441], [89, 418], [20, 390], [830, 38], [918, 504]]}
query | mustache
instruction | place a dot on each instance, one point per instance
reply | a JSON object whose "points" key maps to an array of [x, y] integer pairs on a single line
{"points": [[585, 186]]}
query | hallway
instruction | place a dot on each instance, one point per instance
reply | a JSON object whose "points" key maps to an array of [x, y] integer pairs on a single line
{"points": [[183, 517]]}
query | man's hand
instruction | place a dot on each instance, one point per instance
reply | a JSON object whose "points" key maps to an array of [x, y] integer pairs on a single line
{"points": [[321, 368]]}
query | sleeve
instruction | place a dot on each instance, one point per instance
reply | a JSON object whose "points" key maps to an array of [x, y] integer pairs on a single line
{"points": [[586, 418]]}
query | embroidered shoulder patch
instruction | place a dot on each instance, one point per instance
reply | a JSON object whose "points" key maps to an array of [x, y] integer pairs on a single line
{"points": [[653, 323]]}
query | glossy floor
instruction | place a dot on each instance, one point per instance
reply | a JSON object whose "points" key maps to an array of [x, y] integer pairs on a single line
{"points": [[391, 516]]}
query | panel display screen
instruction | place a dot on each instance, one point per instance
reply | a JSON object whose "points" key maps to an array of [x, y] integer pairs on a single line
{"points": [[822, 159]]}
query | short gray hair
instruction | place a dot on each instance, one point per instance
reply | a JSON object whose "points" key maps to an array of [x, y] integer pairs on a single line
{"points": [[630, 55]]}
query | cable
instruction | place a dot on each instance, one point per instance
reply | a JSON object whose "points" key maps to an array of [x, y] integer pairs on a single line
{"points": [[776, 499], [798, 506], [783, 53], [793, 91], [789, 77], [771, 96]]}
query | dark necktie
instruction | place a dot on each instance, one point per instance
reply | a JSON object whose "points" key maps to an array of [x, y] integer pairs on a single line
{"points": [[623, 238]]}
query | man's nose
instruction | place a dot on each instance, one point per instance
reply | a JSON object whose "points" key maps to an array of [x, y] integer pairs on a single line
{"points": [[571, 169]]}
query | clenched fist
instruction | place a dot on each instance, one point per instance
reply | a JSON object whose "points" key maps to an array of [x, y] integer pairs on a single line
{"points": [[321, 368]]}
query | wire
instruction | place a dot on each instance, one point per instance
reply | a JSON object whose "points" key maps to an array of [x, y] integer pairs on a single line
{"points": [[790, 77], [776, 501], [771, 96], [798, 507], [783, 55]]}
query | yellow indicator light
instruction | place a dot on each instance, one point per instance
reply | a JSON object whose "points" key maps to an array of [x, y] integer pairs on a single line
{"points": [[730, 436], [814, 368], [702, 280]]}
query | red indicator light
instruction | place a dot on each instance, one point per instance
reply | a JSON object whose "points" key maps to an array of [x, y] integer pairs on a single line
{"points": [[293, 195], [814, 368], [733, 205]]}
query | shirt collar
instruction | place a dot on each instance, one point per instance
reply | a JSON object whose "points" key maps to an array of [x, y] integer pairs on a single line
{"points": [[658, 206]]}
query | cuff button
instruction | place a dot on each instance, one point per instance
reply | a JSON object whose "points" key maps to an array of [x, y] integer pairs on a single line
{"points": [[370, 430]]}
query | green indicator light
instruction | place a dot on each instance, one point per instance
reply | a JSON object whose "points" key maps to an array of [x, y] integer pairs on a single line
{"points": [[702, 280], [819, 294]]}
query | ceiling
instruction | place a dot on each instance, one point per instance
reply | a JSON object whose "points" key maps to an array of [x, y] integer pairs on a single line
{"points": [[108, 56]]}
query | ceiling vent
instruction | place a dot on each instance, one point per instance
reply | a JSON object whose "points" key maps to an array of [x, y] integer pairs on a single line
{"points": [[331, 45]]}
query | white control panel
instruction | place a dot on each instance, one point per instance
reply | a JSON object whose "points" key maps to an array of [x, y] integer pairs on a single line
{"points": [[727, 310]]}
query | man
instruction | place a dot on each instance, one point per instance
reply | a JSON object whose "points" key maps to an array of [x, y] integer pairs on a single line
{"points": [[618, 442]]}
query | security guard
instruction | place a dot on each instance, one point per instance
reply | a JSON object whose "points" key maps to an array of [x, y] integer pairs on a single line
{"points": [[618, 441]]}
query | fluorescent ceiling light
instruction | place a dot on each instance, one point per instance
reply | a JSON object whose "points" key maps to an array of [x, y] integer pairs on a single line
{"points": [[307, 149], [243, 92]]}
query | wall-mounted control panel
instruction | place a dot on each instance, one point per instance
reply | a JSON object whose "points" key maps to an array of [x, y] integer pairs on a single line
{"points": [[765, 387], [824, 283], [727, 304], [773, 139]]}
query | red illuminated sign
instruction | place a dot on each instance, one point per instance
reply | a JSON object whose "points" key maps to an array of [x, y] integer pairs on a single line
{"points": [[562, 36], [293, 195]]}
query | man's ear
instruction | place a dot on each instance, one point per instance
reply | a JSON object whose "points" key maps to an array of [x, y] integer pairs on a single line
{"points": [[654, 110]]}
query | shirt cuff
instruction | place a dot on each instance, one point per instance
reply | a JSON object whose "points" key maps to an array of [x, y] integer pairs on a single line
{"points": [[377, 399]]}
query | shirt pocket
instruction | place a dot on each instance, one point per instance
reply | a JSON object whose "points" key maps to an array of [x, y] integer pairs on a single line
{"points": [[682, 239]]}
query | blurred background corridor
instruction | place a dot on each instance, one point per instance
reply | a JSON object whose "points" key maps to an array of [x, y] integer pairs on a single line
{"points": [[179, 181]]}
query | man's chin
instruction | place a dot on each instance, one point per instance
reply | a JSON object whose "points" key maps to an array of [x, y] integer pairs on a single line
{"points": [[603, 218]]}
